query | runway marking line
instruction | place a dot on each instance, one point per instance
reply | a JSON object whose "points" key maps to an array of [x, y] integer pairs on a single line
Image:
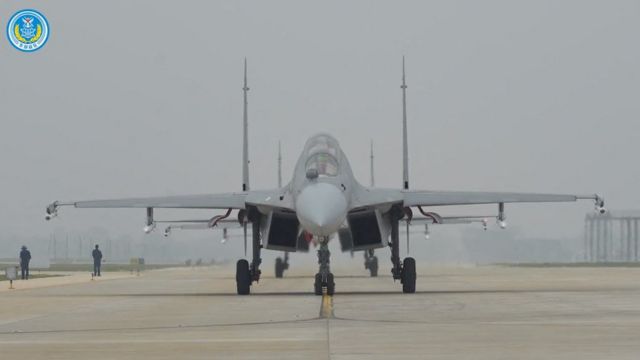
{"points": [[326, 307], [150, 341]]}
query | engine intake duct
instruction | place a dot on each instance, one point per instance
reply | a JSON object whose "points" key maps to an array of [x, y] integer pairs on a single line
{"points": [[282, 232], [363, 231]]}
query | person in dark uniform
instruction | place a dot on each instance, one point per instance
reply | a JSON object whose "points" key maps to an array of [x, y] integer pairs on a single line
{"points": [[97, 260], [25, 257]]}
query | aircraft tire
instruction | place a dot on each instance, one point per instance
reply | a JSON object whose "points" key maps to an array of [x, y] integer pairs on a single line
{"points": [[279, 267], [373, 267], [317, 285], [243, 277], [331, 285], [409, 275]]}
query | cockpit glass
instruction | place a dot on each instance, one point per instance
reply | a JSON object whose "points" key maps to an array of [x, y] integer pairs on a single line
{"points": [[322, 144], [324, 163]]}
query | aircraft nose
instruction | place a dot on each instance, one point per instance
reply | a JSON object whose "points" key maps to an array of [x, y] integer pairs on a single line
{"points": [[321, 209]]}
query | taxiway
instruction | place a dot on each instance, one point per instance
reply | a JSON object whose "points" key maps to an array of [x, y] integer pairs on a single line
{"points": [[485, 312]]}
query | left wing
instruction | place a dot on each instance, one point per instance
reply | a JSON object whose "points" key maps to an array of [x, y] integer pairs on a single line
{"points": [[444, 220], [407, 198]]}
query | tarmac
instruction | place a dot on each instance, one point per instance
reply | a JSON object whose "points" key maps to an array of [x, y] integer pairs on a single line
{"points": [[463, 312]]}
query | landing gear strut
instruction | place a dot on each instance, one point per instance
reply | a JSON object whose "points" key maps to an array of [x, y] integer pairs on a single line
{"points": [[324, 277], [246, 274], [282, 265], [371, 262], [405, 271]]}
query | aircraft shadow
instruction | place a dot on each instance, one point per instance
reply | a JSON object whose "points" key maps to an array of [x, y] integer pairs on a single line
{"points": [[351, 293]]}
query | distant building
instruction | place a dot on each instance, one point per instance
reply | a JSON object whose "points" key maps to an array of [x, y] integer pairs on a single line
{"points": [[612, 236]]}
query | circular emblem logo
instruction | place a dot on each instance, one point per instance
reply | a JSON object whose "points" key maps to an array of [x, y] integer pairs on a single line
{"points": [[28, 30]]}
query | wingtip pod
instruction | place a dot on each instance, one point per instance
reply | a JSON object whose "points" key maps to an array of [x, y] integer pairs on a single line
{"points": [[601, 209], [599, 204], [51, 211]]}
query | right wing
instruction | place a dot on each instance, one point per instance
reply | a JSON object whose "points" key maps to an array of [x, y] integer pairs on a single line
{"points": [[444, 220], [440, 198], [240, 200], [369, 197], [205, 201]]}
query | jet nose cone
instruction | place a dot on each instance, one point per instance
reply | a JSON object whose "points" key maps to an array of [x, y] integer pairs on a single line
{"points": [[321, 208]]}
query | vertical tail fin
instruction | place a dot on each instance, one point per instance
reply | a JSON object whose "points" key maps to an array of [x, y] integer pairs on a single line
{"points": [[245, 133], [373, 183], [405, 145], [279, 165]]}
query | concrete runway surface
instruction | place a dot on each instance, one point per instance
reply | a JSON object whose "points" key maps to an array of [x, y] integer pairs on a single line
{"points": [[457, 313]]}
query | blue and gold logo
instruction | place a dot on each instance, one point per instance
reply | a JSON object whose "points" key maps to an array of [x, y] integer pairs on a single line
{"points": [[28, 30]]}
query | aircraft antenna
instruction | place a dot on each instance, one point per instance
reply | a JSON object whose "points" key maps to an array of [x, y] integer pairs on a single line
{"points": [[405, 149], [279, 165], [245, 133], [373, 183]]}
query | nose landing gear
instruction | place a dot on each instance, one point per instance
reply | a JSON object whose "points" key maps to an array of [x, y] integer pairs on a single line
{"points": [[324, 277]]}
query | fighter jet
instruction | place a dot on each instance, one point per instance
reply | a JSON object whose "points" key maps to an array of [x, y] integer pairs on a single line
{"points": [[323, 199]]}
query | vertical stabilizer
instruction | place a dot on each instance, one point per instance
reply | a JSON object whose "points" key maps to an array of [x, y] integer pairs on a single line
{"points": [[373, 182], [405, 145], [245, 134], [279, 165]]}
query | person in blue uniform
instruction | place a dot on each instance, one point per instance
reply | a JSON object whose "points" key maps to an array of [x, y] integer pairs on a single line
{"points": [[97, 260], [25, 257]]}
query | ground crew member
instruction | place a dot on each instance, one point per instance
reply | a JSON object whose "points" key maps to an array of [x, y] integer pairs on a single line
{"points": [[97, 260], [25, 257]]}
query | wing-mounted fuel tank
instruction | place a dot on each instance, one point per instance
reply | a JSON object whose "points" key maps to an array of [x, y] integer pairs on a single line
{"points": [[366, 229], [280, 229]]}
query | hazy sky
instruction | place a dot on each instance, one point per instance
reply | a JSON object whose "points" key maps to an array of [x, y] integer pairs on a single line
{"points": [[143, 98]]}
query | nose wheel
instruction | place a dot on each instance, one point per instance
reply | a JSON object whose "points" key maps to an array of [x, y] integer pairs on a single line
{"points": [[324, 277], [321, 284]]}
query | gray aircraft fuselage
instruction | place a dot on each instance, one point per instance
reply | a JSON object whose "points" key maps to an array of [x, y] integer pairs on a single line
{"points": [[322, 186]]}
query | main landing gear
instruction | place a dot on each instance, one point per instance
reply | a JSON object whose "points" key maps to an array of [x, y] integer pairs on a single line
{"points": [[282, 265], [324, 277], [246, 274], [371, 262], [405, 272]]}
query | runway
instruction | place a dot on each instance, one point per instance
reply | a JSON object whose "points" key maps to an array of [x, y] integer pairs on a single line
{"points": [[457, 313]]}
